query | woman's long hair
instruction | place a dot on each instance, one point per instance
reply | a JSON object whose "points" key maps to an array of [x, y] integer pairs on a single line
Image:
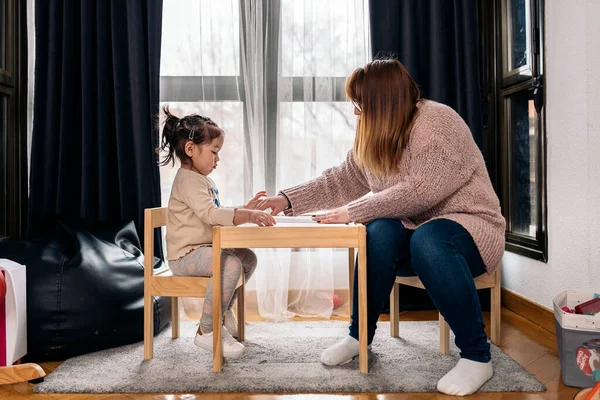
{"points": [[387, 97]]}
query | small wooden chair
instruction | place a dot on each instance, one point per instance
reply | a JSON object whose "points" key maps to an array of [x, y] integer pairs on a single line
{"points": [[164, 283], [481, 282], [21, 373]]}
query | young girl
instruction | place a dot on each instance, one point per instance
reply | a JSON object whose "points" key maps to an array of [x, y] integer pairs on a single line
{"points": [[193, 210]]}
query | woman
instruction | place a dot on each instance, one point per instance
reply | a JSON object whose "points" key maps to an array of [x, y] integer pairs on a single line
{"points": [[432, 212]]}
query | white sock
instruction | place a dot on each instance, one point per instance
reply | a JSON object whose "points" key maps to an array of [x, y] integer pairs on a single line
{"points": [[341, 352], [466, 377]]}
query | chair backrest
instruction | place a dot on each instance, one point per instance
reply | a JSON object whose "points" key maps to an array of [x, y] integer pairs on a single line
{"points": [[162, 282], [153, 218]]}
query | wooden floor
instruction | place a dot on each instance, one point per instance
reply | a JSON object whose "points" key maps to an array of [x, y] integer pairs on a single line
{"points": [[528, 344]]}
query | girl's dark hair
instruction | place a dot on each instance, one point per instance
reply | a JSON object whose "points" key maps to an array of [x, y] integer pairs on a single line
{"points": [[178, 131]]}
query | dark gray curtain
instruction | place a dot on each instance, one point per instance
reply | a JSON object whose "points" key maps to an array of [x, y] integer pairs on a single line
{"points": [[437, 42], [96, 98]]}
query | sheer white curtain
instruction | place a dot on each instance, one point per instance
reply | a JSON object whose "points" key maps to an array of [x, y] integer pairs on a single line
{"points": [[30, 78], [271, 73]]}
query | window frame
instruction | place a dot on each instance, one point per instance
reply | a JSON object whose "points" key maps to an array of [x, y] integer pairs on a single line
{"points": [[498, 86], [525, 72], [13, 85]]}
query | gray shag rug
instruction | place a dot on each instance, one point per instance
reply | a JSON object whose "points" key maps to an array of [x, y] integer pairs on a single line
{"points": [[280, 358]]}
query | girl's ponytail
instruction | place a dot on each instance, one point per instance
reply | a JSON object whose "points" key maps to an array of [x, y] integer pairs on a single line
{"points": [[169, 134]]}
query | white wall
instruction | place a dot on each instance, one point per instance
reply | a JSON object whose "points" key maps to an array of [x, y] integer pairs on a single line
{"points": [[573, 158]]}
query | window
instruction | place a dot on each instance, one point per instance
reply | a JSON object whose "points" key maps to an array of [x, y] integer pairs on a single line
{"points": [[200, 73], [516, 118], [272, 75], [13, 162], [321, 44], [296, 117]]}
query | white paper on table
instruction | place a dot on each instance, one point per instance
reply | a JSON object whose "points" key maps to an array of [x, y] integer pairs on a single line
{"points": [[299, 220]]}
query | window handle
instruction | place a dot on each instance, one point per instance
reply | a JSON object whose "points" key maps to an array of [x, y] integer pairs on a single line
{"points": [[538, 94]]}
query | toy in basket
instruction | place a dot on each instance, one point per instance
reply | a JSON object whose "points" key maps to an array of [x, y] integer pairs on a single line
{"points": [[588, 360], [578, 337]]}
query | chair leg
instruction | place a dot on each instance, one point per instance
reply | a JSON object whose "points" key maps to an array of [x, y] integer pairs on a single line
{"points": [[394, 317], [20, 373], [241, 318], [444, 336], [495, 314], [148, 326], [175, 317]]}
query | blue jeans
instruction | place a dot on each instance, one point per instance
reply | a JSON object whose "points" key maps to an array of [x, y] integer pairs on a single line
{"points": [[444, 256]]}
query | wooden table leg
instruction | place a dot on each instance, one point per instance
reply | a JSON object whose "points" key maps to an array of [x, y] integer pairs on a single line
{"points": [[216, 306], [362, 301], [351, 261]]}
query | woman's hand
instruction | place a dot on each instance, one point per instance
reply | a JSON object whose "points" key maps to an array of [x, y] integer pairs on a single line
{"points": [[276, 203], [337, 216], [255, 200], [261, 218]]}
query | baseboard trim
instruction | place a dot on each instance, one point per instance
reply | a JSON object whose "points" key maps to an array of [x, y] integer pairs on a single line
{"points": [[534, 320], [533, 312]]}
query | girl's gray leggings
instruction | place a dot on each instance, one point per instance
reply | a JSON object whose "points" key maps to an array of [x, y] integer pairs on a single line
{"points": [[199, 263]]}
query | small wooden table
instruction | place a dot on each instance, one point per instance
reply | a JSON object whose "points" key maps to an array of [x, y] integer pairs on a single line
{"points": [[349, 236]]}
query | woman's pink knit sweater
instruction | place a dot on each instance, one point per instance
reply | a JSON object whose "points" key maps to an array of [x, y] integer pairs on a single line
{"points": [[442, 174]]}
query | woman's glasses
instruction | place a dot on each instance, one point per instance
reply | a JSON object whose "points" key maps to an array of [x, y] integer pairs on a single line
{"points": [[356, 105]]}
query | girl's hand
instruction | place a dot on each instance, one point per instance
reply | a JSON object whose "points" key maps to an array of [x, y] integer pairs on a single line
{"points": [[337, 216], [255, 200], [261, 218], [276, 203]]}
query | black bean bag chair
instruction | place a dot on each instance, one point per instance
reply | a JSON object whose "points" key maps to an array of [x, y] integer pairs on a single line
{"points": [[85, 291]]}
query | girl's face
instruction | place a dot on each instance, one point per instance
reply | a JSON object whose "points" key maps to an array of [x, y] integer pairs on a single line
{"points": [[205, 157]]}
